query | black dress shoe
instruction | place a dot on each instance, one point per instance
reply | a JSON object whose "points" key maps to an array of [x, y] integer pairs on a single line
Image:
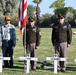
{"points": [[62, 70], [37, 67], [5, 66], [33, 69], [58, 70], [10, 66]]}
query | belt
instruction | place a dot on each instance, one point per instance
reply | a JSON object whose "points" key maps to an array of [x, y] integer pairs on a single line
{"points": [[6, 40]]}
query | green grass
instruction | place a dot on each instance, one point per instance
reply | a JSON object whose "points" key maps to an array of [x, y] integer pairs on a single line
{"points": [[45, 49]]}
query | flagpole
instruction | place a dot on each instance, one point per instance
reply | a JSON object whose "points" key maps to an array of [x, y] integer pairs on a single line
{"points": [[22, 21], [25, 48]]}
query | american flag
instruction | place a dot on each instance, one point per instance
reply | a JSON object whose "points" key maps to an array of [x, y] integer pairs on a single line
{"points": [[22, 14]]}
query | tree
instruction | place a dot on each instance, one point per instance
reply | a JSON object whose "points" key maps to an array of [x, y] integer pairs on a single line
{"points": [[37, 9], [69, 13], [9, 7], [57, 4], [45, 20], [66, 11], [31, 10], [46, 16]]}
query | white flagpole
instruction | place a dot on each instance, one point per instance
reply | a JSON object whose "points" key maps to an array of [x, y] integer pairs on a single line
{"points": [[25, 14], [25, 46]]}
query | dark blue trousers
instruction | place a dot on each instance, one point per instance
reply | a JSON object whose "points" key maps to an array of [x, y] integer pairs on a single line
{"points": [[7, 49]]}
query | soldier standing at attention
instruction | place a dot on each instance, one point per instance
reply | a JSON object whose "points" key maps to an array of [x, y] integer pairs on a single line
{"points": [[32, 40], [8, 41], [61, 39]]}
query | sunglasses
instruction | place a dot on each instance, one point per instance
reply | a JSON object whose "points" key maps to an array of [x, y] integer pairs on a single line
{"points": [[31, 21], [60, 18]]}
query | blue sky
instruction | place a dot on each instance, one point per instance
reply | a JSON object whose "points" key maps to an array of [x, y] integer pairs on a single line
{"points": [[44, 6]]}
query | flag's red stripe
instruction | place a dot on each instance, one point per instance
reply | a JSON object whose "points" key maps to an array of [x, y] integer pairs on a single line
{"points": [[22, 9], [25, 5], [23, 22], [23, 18]]}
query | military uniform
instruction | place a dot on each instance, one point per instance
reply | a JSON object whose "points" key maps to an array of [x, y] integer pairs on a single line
{"points": [[61, 37], [31, 40]]}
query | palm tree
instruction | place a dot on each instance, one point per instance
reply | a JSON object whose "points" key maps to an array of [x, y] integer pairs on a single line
{"points": [[37, 9]]}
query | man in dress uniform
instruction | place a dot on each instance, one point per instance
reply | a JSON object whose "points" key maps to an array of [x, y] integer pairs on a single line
{"points": [[8, 41], [31, 40], [61, 39]]}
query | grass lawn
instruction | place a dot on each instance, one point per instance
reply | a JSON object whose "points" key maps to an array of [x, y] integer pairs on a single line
{"points": [[45, 50]]}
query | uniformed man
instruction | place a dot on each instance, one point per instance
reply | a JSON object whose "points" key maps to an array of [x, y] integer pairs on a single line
{"points": [[31, 40], [61, 39], [8, 41]]}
